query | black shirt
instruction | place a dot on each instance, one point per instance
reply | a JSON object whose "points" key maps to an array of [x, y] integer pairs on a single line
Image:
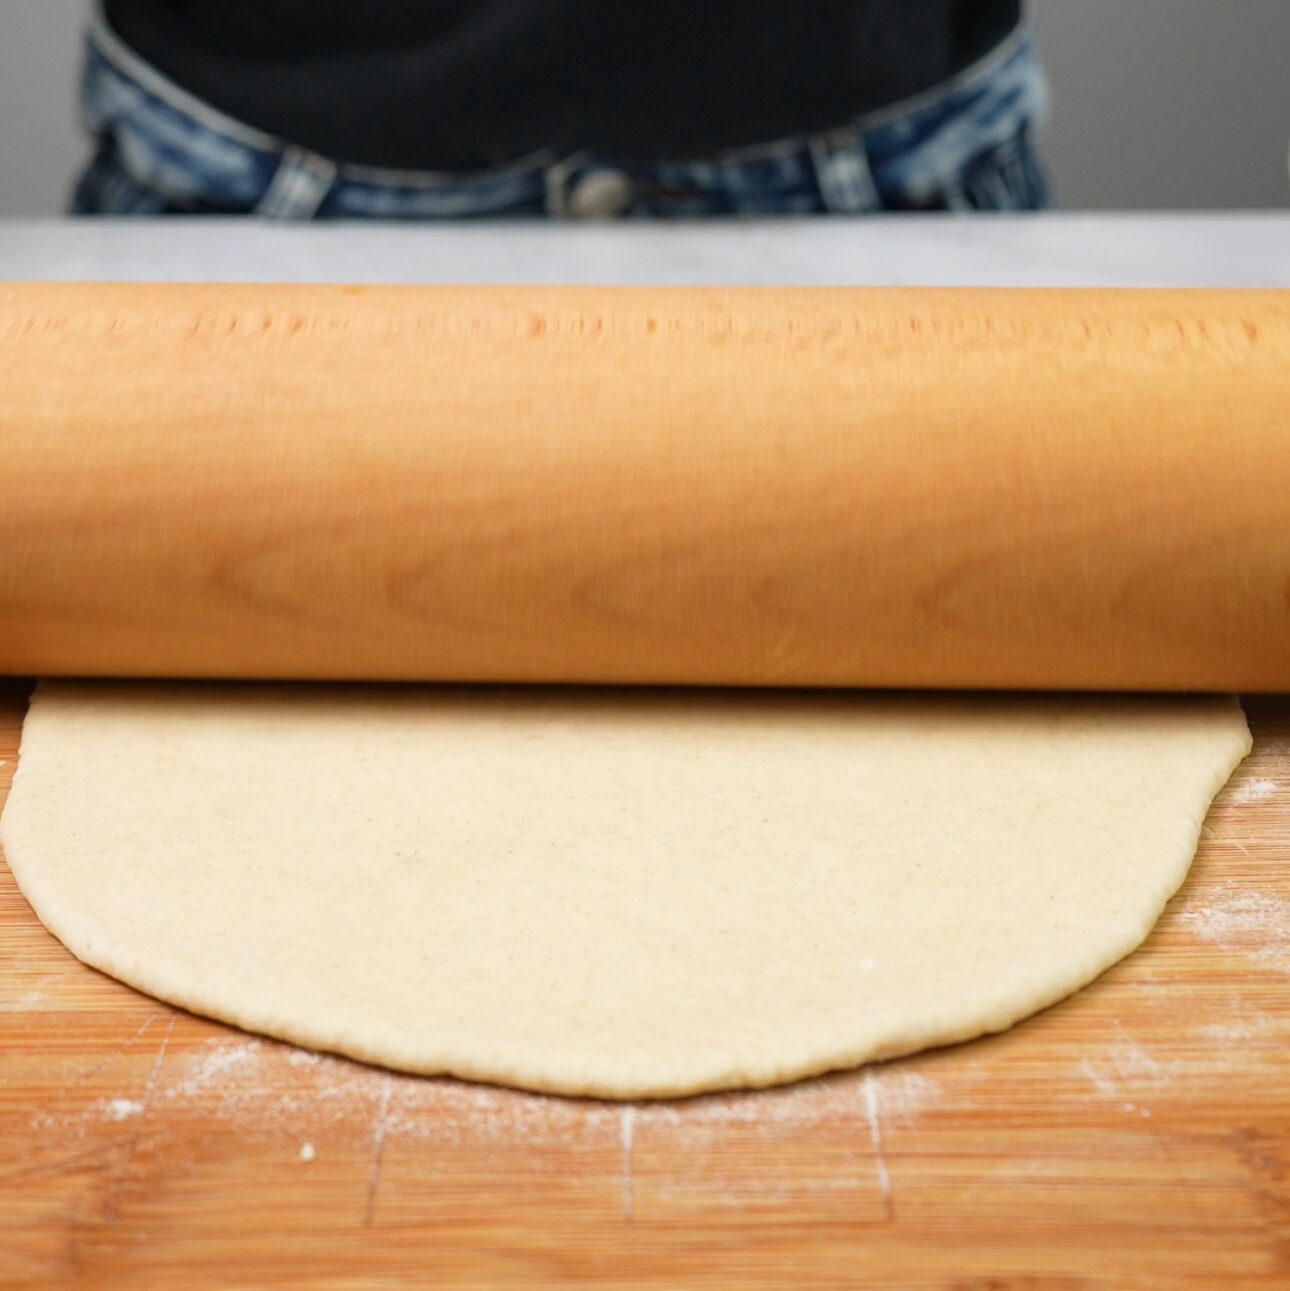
{"points": [[458, 84]]}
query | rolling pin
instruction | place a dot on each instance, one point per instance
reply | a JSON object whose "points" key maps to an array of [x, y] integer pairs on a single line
{"points": [[1003, 489]]}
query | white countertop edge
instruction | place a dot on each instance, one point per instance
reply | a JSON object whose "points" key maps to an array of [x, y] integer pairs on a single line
{"points": [[1219, 249]]}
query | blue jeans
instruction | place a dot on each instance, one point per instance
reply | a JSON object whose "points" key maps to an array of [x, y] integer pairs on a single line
{"points": [[967, 145]]}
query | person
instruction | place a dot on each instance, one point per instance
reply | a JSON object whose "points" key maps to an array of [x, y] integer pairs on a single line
{"points": [[419, 109]]}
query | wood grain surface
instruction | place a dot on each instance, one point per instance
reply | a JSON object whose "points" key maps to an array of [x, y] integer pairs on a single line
{"points": [[998, 489], [1136, 1136]]}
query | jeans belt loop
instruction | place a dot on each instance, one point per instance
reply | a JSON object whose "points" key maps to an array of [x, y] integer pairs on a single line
{"points": [[299, 188], [842, 171]]}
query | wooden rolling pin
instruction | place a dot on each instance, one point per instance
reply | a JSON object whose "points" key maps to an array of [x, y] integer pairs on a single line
{"points": [[803, 487]]}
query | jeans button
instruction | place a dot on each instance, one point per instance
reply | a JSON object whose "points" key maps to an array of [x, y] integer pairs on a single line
{"points": [[600, 195]]}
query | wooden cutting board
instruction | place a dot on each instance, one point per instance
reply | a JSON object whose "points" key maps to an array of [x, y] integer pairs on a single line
{"points": [[1137, 1135]]}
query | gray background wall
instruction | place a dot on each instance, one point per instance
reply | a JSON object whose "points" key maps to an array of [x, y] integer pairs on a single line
{"points": [[1158, 103]]}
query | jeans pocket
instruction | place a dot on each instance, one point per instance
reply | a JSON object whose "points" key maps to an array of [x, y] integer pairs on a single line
{"points": [[1008, 178], [105, 188]]}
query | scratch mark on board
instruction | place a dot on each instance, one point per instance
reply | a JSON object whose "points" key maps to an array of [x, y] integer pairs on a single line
{"points": [[870, 1086], [109, 1207], [379, 1129], [86, 1159], [94, 1069], [628, 1134], [1210, 837], [111, 1057]]}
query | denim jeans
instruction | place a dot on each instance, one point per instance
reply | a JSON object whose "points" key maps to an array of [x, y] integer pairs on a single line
{"points": [[967, 145]]}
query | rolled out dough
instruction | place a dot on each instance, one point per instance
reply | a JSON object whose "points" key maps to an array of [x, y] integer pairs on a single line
{"points": [[602, 892]]}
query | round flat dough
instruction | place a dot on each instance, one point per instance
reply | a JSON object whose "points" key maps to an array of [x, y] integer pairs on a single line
{"points": [[591, 892]]}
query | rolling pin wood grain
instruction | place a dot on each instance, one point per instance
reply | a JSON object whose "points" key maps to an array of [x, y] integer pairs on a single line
{"points": [[1060, 489]]}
